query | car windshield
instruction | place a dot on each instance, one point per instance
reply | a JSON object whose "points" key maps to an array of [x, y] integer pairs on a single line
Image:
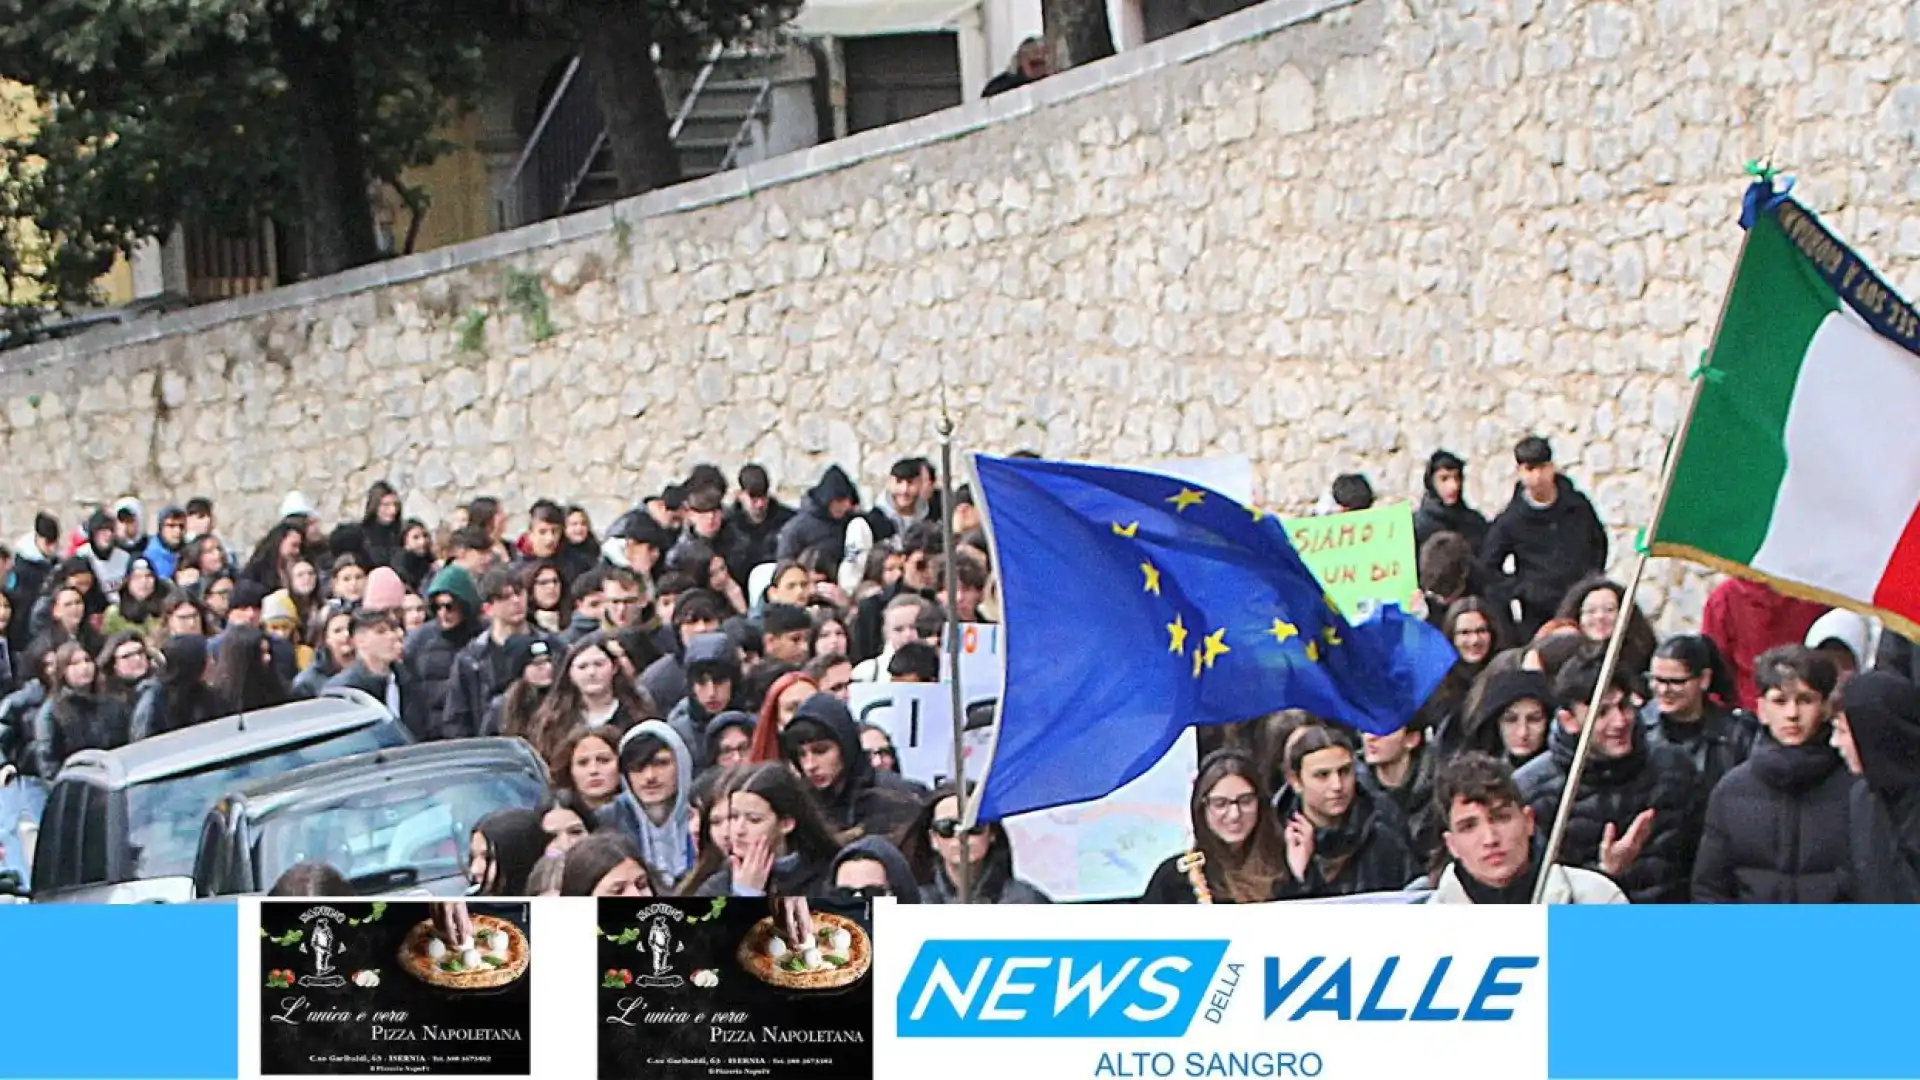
{"points": [[393, 835], [164, 816]]}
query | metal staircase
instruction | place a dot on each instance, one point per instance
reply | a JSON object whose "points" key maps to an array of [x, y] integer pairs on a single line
{"points": [[566, 165]]}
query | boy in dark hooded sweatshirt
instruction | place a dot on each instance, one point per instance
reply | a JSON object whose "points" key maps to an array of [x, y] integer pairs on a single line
{"points": [[871, 866], [823, 745], [729, 739], [822, 519], [1878, 733], [432, 648], [713, 685], [1445, 507]]}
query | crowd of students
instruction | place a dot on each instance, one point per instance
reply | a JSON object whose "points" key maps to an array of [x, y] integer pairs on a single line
{"points": [[686, 680]]}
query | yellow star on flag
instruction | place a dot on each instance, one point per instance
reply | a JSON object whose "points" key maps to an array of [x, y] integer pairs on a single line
{"points": [[1331, 606], [1282, 630], [1197, 655], [1313, 651], [1153, 577], [1332, 635], [1127, 530], [1177, 631], [1187, 497], [1215, 644], [1258, 514]]}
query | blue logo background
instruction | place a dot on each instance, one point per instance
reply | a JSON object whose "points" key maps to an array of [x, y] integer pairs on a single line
{"points": [[1056, 989]]}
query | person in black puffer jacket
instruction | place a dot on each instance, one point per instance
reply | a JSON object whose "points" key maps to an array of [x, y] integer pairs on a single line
{"points": [[1688, 674], [1776, 826], [822, 520], [1636, 818], [1445, 507], [1550, 531], [1878, 732], [1341, 839]]}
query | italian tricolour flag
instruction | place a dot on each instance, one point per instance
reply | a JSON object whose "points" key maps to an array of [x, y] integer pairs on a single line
{"points": [[1801, 465]]}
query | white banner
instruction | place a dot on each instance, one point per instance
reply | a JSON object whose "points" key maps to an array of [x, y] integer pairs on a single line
{"points": [[1269, 990]]}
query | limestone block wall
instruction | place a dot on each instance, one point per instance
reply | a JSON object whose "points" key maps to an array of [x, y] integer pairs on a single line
{"points": [[1329, 234]]}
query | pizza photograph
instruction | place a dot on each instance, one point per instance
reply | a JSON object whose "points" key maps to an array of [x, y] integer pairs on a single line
{"points": [[837, 955], [496, 954]]}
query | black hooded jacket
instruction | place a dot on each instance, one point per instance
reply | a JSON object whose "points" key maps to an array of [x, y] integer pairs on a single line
{"points": [[1715, 744], [479, 675], [813, 526], [1776, 829], [900, 883], [1368, 851], [1553, 547], [860, 799], [714, 653], [1414, 800], [1616, 791], [718, 724], [1435, 516], [758, 542], [1883, 713]]}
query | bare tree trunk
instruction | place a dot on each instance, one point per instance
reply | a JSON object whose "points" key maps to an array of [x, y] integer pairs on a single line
{"points": [[1078, 31], [336, 208], [616, 46]]}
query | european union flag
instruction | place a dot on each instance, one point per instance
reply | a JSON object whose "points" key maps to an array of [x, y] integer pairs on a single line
{"points": [[1137, 605]]}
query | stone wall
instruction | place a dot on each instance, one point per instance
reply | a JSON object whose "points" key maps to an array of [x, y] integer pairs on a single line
{"points": [[1328, 234]]}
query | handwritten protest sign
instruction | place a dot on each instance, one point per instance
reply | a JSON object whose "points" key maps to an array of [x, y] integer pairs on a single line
{"points": [[1363, 558]]}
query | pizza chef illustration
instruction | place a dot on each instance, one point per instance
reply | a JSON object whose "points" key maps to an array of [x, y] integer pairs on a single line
{"points": [[322, 943], [660, 949]]}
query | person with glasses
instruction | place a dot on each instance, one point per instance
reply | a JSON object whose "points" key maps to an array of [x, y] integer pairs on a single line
{"points": [[431, 650], [729, 738], [1636, 817], [871, 867], [1236, 856], [933, 845], [1690, 681]]}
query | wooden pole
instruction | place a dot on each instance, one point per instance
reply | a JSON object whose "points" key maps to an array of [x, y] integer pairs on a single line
{"points": [[1571, 793]]}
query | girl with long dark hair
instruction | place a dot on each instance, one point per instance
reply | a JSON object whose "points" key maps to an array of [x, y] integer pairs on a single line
{"points": [[180, 697], [1237, 857], [77, 716], [272, 562], [1340, 838], [779, 842], [588, 690], [245, 675], [380, 525], [141, 597]]}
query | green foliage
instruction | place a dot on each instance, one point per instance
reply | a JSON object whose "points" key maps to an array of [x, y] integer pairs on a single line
{"points": [[471, 330], [526, 296], [155, 112]]}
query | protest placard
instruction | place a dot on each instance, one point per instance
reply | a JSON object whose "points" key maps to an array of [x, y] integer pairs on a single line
{"points": [[1363, 558]]}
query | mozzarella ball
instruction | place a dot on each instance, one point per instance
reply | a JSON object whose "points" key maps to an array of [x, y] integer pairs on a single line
{"points": [[436, 948], [470, 958], [839, 941], [812, 958], [776, 948]]}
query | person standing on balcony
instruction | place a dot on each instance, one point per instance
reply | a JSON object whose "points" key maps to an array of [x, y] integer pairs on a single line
{"points": [[1030, 64]]}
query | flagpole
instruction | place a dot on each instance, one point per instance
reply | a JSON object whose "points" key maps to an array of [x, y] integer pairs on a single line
{"points": [[950, 558], [1571, 793]]}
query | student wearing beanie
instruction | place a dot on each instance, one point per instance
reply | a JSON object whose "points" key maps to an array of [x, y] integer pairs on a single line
{"points": [[280, 618], [431, 649], [529, 674], [385, 590]]}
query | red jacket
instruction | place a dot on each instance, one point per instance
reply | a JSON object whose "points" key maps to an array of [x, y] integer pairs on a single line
{"points": [[1745, 618]]}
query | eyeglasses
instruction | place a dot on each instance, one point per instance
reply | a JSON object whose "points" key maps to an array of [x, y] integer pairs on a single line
{"points": [[881, 752], [865, 892], [1666, 680], [445, 605], [948, 828], [1241, 803]]}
